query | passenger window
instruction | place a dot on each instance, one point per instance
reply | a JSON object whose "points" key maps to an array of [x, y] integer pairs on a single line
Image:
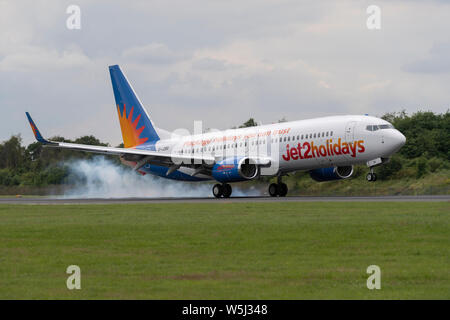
{"points": [[331, 133], [314, 135], [289, 139]]}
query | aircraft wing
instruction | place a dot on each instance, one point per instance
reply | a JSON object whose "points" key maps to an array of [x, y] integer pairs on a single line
{"points": [[140, 156]]}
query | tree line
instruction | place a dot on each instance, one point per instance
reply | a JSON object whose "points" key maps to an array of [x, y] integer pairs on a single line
{"points": [[427, 149]]}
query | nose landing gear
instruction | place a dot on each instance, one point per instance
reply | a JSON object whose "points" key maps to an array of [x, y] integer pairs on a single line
{"points": [[222, 190], [278, 189], [371, 176]]}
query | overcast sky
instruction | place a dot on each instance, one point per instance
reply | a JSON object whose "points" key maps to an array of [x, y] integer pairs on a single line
{"points": [[218, 61]]}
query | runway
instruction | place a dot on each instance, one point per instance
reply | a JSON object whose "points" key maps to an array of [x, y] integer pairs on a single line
{"points": [[261, 199]]}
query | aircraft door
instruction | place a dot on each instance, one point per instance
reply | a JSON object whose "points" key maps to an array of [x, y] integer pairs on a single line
{"points": [[350, 135], [350, 131]]}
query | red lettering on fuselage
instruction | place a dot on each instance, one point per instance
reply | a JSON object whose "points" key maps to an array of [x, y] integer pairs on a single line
{"points": [[310, 150]]}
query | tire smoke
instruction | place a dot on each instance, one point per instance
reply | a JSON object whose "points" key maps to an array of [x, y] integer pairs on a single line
{"points": [[100, 177]]}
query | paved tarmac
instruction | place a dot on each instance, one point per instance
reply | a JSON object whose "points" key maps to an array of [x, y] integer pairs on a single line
{"points": [[262, 199]]}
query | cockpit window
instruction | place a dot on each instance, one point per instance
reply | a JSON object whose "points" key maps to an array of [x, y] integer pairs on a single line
{"points": [[375, 127], [385, 126]]}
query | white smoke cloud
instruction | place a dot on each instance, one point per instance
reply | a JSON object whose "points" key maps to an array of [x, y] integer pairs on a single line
{"points": [[102, 178]]}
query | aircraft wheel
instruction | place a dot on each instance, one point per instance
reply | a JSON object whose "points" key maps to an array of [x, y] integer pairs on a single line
{"points": [[227, 190], [374, 177], [273, 189], [282, 189], [370, 177], [217, 190]]}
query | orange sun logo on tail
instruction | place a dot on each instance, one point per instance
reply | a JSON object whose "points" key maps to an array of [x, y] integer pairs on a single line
{"points": [[130, 132]]}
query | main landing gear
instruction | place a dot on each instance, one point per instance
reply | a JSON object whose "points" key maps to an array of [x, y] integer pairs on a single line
{"points": [[222, 190], [278, 189], [371, 176]]}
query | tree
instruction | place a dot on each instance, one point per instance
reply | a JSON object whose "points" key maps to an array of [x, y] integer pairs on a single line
{"points": [[426, 133], [90, 140], [249, 123], [12, 153]]}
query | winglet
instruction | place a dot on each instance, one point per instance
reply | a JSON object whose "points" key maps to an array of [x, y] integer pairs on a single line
{"points": [[36, 132]]}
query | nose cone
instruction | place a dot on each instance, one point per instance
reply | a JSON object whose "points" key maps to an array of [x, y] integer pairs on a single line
{"points": [[399, 139], [396, 141]]}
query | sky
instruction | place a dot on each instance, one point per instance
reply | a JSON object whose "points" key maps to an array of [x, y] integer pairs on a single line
{"points": [[221, 62]]}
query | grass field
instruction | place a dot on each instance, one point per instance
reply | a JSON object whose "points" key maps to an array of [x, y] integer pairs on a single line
{"points": [[233, 251]]}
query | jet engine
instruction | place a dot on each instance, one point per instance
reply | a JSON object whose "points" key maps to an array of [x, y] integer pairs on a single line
{"points": [[332, 173], [235, 169]]}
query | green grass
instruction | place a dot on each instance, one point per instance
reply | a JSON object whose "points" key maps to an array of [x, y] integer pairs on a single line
{"points": [[429, 184], [233, 251]]}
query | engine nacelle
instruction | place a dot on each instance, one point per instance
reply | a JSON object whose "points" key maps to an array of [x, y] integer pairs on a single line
{"points": [[235, 169], [333, 173]]}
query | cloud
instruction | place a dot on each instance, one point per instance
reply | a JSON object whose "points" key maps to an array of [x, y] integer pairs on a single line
{"points": [[262, 59], [155, 53], [209, 64], [437, 61], [35, 58]]}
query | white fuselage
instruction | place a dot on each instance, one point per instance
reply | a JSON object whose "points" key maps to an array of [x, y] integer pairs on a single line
{"points": [[297, 145]]}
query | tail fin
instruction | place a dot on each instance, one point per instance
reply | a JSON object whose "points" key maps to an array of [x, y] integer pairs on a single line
{"points": [[136, 126]]}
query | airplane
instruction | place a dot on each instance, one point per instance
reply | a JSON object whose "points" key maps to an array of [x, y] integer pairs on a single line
{"points": [[327, 147]]}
